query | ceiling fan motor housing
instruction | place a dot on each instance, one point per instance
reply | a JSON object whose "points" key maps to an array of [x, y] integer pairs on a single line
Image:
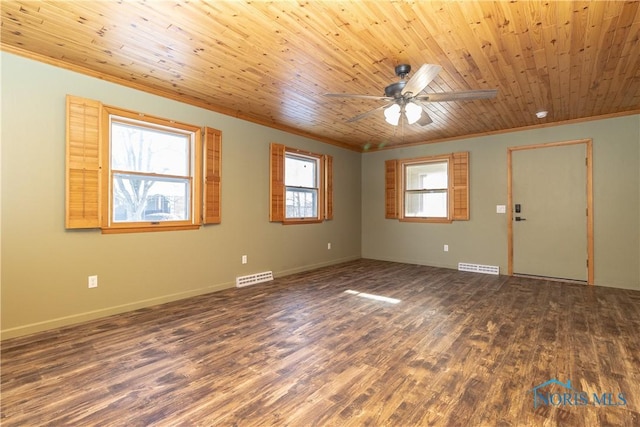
{"points": [[394, 90]]}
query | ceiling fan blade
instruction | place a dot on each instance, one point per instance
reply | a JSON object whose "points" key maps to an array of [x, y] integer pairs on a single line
{"points": [[368, 113], [351, 95], [455, 96], [421, 79]]}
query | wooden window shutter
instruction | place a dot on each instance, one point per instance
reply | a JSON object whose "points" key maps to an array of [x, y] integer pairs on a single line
{"points": [[212, 176], [83, 167], [328, 166], [461, 186], [276, 178], [391, 189]]}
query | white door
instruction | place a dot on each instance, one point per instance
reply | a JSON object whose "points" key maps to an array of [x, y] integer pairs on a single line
{"points": [[549, 187]]}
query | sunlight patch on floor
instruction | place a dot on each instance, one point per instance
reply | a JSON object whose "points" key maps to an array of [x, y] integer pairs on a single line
{"points": [[372, 296]]}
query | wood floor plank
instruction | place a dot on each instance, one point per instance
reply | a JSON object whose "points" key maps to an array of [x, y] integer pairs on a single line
{"points": [[440, 347]]}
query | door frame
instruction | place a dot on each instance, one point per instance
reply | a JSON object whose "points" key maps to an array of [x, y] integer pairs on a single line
{"points": [[589, 148]]}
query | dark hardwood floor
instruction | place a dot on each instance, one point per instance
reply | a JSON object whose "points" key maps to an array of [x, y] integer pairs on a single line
{"points": [[442, 348]]}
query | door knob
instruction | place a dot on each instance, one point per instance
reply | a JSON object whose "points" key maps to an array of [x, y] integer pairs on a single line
{"points": [[520, 219]]}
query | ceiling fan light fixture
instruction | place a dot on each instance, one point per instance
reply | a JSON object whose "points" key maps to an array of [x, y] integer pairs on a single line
{"points": [[392, 114], [413, 112]]}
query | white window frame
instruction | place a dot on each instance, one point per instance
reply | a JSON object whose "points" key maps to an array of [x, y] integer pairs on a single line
{"points": [[314, 190], [194, 172], [405, 192]]}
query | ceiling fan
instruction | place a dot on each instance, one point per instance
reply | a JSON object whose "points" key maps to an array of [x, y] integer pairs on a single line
{"points": [[405, 96]]}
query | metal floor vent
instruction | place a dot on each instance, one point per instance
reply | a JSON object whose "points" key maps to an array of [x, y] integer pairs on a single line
{"points": [[478, 268], [252, 279]]}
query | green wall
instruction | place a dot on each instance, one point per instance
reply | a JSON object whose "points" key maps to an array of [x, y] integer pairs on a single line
{"points": [[483, 239], [45, 267]]}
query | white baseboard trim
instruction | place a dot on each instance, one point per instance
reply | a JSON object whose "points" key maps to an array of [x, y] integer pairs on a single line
{"points": [[108, 311], [314, 266], [73, 319]]}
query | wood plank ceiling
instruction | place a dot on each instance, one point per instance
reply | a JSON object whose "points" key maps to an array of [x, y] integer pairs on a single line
{"points": [[271, 62]]}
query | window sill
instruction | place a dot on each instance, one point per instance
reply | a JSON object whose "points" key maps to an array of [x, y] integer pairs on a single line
{"points": [[301, 221], [148, 228], [430, 220]]}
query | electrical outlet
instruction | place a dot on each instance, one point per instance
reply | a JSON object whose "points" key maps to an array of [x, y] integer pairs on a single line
{"points": [[244, 259], [93, 281], [328, 245], [446, 248]]}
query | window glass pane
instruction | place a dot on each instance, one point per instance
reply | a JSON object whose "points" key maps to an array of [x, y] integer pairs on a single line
{"points": [[426, 176], [147, 150], [300, 171], [143, 198], [431, 205], [301, 203]]}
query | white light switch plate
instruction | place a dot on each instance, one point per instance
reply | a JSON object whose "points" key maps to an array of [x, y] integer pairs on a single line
{"points": [[501, 209]]}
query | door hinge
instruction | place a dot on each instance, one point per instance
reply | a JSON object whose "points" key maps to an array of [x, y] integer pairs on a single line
{"points": [[587, 263]]}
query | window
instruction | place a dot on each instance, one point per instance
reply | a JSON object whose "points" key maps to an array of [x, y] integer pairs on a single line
{"points": [[129, 172], [301, 186], [428, 189], [426, 186], [152, 171]]}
